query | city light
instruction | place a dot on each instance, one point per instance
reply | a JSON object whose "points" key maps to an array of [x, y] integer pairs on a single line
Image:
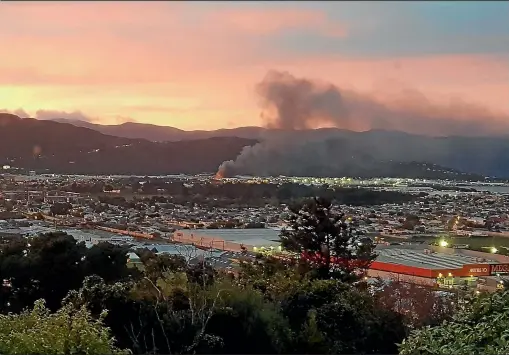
{"points": [[494, 250], [443, 243]]}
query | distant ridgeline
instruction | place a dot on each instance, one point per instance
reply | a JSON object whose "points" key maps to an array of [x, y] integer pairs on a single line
{"points": [[48, 146]]}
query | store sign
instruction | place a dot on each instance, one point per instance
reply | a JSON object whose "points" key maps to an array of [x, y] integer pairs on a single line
{"points": [[499, 268], [478, 270]]}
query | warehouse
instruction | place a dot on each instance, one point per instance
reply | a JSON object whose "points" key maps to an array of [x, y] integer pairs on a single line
{"points": [[252, 239], [435, 269]]}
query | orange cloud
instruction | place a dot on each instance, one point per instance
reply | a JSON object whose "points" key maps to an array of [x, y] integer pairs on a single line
{"points": [[164, 63]]}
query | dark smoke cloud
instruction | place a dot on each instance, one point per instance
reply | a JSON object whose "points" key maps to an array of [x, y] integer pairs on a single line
{"points": [[297, 103], [293, 104]]}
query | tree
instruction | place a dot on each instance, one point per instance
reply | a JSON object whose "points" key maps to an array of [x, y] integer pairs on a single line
{"points": [[50, 265], [246, 323], [328, 316], [411, 221], [420, 305], [60, 208], [201, 273], [156, 265], [108, 261], [47, 267], [326, 240], [68, 331], [272, 277], [480, 328]]}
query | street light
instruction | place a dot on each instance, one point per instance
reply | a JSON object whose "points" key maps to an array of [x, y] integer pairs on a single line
{"points": [[494, 250], [443, 243]]}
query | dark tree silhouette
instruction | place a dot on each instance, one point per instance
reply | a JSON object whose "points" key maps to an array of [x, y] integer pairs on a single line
{"points": [[46, 267], [108, 261], [327, 241], [60, 208], [201, 273]]}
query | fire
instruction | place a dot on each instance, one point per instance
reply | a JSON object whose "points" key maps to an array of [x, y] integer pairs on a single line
{"points": [[219, 175]]}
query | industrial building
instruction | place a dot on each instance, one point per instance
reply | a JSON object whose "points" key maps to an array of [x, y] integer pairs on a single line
{"points": [[441, 269], [252, 239], [416, 263]]}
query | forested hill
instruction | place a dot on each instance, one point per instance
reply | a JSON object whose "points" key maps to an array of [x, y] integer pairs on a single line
{"points": [[48, 146], [64, 148]]}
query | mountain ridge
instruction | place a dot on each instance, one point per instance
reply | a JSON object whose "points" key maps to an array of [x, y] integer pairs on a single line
{"points": [[48, 146], [159, 133], [164, 133], [66, 148]]}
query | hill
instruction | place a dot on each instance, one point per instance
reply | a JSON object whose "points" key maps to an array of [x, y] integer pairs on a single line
{"points": [[164, 133], [488, 156], [64, 148]]}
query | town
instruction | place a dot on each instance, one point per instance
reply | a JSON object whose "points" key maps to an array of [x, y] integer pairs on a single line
{"points": [[441, 234]]}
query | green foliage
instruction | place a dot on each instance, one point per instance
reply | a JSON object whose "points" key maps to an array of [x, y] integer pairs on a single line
{"points": [[245, 322], [68, 331], [50, 265], [273, 305], [481, 328], [328, 316], [320, 234], [272, 277]]}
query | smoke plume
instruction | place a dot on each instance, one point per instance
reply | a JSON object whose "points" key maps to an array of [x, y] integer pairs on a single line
{"points": [[295, 105]]}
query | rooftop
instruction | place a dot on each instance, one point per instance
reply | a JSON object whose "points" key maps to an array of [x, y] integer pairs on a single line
{"points": [[253, 236], [434, 261]]}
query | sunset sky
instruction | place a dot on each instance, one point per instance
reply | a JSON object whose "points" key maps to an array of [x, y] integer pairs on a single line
{"points": [[195, 65]]}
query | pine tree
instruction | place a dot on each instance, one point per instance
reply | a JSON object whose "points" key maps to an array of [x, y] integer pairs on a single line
{"points": [[326, 241]]}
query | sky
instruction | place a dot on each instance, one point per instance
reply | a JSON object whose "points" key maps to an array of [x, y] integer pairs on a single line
{"points": [[195, 65]]}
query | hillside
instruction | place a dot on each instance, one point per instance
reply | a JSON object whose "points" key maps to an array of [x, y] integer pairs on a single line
{"points": [[487, 156], [164, 133], [64, 148]]}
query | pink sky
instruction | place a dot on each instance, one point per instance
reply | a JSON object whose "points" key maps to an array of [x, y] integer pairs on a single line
{"points": [[195, 66]]}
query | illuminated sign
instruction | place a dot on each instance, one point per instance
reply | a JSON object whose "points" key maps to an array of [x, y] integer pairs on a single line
{"points": [[499, 268]]}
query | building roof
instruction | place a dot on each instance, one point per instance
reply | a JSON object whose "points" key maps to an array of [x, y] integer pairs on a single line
{"points": [[418, 258], [187, 251], [251, 236]]}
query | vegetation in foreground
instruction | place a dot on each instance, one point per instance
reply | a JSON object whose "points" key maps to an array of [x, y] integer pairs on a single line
{"points": [[95, 304]]}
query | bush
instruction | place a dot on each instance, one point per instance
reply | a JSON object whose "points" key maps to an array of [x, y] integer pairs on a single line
{"points": [[482, 327], [68, 331]]}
